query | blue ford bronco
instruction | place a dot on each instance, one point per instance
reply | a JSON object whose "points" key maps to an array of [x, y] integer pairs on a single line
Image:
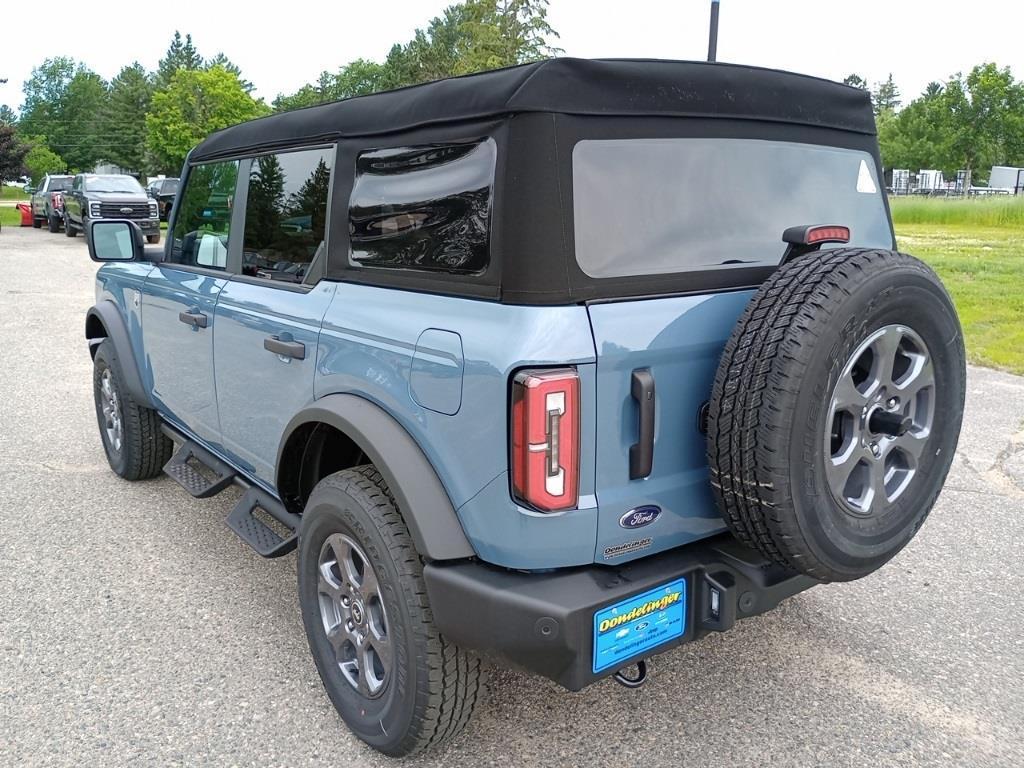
{"points": [[560, 365]]}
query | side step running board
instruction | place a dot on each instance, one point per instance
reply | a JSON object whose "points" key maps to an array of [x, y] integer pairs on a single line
{"points": [[202, 474], [186, 467], [255, 532]]}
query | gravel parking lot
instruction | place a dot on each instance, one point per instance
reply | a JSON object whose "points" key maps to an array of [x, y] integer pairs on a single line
{"points": [[135, 629]]}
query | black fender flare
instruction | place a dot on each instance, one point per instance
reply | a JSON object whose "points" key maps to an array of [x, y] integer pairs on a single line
{"points": [[422, 499], [107, 314]]}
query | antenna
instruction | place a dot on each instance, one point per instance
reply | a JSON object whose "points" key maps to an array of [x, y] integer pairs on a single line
{"points": [[713, 33]]}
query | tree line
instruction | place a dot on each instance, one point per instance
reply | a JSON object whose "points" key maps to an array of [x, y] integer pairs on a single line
{"points": [[146, 122], [969, 122]]}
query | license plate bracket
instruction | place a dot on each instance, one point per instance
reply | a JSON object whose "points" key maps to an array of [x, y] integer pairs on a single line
{"points": [[638, 624]]}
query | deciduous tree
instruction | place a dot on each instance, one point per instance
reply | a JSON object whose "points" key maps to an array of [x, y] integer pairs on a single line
{"points": [[195, 104]]}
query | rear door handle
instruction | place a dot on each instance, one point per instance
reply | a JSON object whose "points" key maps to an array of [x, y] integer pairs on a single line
{"points": [[195, 319], [641, 453], [286, 348]]}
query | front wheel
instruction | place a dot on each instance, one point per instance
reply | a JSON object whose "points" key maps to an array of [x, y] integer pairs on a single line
{"points": [[136, 448], [396, 682]]}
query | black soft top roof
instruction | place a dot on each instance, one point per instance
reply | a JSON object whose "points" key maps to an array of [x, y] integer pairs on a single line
{"points": [[609, 87]]}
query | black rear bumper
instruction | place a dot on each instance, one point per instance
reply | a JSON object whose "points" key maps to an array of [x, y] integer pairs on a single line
{"points": [[544, 622]]}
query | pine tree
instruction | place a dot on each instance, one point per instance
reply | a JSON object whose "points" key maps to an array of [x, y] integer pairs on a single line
{"points": [[181, 54]]}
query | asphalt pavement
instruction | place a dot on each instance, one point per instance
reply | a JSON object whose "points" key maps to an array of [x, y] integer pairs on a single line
{"points": [[137, 630]]}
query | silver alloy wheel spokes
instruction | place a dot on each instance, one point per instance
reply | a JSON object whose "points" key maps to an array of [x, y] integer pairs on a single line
{"points": [[111, 409], [353, 615], [881, 413]]}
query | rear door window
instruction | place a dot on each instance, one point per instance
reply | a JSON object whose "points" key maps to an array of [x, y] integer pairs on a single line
{"points": [[423, 207], [286, 216], [203, 223], [658, 206]]}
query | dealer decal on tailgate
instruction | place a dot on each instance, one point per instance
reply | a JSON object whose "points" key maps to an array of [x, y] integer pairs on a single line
{"points": [[638, 624]]}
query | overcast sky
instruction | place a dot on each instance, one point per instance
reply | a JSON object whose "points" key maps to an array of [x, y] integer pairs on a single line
{"points": [[282, 45]]}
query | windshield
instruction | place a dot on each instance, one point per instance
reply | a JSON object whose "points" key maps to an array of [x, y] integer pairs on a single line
{"points": [[112, 184], [662, 206]]}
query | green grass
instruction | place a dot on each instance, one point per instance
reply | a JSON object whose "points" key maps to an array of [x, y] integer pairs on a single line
{"points": [[9, 216], [1001, 211], [982, 266], [12, 193]]}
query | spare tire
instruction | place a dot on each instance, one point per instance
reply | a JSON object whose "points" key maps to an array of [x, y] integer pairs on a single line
{"points": [[836, 411]]}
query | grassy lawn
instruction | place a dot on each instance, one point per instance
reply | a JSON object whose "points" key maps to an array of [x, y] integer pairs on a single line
{"points": [[10, 216], [11, 193], [983, 269]]}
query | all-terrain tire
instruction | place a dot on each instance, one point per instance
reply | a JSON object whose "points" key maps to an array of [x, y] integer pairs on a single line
{"points": [[433, 686], [36, 222], [53, 223], [771, 412], [144, 448], [69, 230]]}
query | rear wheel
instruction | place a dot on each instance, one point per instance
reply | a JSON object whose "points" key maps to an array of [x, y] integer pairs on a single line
{"points": [[398, 684], [152, 239], [69, 231], [836, 411], [36, 222], [53, 223]]}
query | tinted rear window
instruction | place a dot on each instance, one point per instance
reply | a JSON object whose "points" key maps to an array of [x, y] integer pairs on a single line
{"points": [[657, 206], [423, 207], [60, 185]]}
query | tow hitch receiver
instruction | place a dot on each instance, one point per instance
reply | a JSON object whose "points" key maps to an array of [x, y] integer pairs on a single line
{"points": [[632, 682]]}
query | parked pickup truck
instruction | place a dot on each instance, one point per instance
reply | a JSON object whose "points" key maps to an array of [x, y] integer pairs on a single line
{"points": [[47, 203], [163, 191], [94, 196]]}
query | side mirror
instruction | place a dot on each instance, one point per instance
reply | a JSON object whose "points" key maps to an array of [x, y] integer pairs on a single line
{"points": [[114, 240], [30, 190]]}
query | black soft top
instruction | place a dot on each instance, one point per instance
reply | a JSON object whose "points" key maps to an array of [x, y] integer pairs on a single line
{"points": [[609, 87]]}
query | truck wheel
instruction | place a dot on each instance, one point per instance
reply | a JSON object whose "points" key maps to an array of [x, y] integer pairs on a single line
{"points": [[53, 223], [136, 448], [396, 682], [836, 411], [69, 231], [152, 239], [36, 223]]}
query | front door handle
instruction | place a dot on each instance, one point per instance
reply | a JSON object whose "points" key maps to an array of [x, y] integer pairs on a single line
{"points": [[285, 348], [195, 319]]}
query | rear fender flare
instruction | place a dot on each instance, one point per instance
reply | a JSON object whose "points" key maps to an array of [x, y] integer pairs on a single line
{"points": [[421, 498]]}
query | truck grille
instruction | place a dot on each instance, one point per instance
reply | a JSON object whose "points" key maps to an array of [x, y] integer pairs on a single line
{"points": [[114, 210]]}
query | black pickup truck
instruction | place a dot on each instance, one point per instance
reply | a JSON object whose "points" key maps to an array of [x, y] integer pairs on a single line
{"points": [[95, 196], [163, 191]]}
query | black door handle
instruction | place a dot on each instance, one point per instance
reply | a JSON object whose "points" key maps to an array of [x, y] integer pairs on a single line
{"points": [[279, 346], [195, 319], [641, 453]]}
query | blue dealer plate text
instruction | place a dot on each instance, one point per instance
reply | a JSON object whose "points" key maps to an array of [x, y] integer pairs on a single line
{"points": [[638, 624]]}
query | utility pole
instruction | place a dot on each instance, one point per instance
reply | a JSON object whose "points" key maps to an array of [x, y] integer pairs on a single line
{"points": [[713, 33]]}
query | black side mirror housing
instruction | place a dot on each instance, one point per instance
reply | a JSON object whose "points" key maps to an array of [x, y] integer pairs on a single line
{"points": [[114, 240]]}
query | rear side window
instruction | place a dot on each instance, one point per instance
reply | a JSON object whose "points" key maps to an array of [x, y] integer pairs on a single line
{"points": [[423, 207], [203, 223], [286, 216], [657, 206]]}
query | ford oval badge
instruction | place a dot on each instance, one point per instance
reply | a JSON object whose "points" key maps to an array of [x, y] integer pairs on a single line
{"points": [[641, 516]]}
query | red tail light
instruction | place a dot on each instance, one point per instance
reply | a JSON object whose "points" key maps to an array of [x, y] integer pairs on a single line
{"points": [[546, 438], [55, 200]]}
